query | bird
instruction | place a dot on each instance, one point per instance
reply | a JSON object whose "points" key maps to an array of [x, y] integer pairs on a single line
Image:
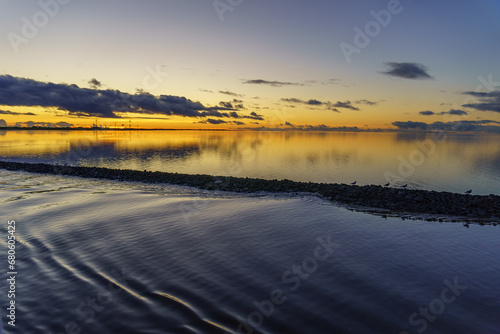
{"points": [[468, 191], [387, 184], [353, 183], [406, 185]]}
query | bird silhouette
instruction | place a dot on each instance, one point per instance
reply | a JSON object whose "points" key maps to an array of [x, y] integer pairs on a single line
{"points": [[387, 184], [468, 191], [353, 183], [406, 185]]}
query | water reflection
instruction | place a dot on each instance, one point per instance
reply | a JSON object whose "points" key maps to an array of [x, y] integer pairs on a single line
{"points": [[456, 163]]}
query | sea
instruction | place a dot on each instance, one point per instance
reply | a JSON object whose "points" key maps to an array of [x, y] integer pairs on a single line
{"points": [[101, 256]]}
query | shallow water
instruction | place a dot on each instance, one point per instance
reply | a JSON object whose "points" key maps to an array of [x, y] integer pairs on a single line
{"points": [[456, 163], [113, 257]]}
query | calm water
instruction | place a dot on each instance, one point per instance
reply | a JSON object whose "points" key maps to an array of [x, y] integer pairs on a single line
{"points": [[456, 163], [98, 256], [110, 257]]}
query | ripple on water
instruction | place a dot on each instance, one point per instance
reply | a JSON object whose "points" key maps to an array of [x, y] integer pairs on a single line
{"points": [[156, 259]]}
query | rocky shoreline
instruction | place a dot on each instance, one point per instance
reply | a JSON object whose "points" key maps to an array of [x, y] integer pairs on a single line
{"points": [[386, 201]]}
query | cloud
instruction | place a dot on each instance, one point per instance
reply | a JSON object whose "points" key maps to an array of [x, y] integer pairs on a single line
{"points": [[3, 123], [312, 102], [449, 112], [206, 90], [226, 105], [454, 112], [410, 125], [108, 103], [271, 83], [329, 105], [346, 104], [226, 92], [407, 71], [8, 112], [232, 105], [254, 115], [213, 121], [427, 113], [480, 125], [94, 83], [293, 100], [489, 101], [367, 102]]}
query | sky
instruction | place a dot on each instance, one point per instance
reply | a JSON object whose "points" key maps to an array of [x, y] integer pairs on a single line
{"points": [[233, 64]]}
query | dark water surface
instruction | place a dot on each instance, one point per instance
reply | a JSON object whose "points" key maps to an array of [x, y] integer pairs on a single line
{"points": [[99, 256]]}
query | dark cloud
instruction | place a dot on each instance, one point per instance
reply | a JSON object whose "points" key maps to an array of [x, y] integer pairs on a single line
{"points": [[329, 105], [3, 123], [495, 107], [226, 105], [346, 105], [410, 125], [94, 83], [293, 100], [237, 123], [489, 101], [427, 113], [212, 121], [8, 112], [454, 112], [367, 102], [270, 83], [311, 102], [108, 103], [206, 90], [254, 115], [226, 92], [407, 70], [232, 105], [314, 102], [480, 125]]}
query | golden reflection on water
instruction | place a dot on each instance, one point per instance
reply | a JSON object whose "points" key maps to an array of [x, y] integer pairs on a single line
{"points": [[301, 156]]}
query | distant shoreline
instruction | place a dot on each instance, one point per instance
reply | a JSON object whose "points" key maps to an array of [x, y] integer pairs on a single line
{"points": [[385, 201], [10, 128]]}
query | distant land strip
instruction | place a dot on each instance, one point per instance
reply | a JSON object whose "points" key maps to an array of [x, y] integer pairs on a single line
{"points": [[430, 205]]}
